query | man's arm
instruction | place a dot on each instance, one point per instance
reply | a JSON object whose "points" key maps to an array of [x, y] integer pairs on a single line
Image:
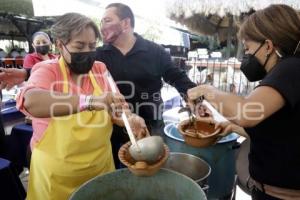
{"points": [[174, 75]]}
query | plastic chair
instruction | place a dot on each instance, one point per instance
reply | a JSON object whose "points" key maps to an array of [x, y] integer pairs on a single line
{"points": [[9, 62], [19, 61]]}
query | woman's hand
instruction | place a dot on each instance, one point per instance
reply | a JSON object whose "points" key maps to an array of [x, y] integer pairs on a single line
{"points": [[137, 124], [229, 127], [113, 102], [201, 110], [202, 90], [9, 77], [196, 93]]}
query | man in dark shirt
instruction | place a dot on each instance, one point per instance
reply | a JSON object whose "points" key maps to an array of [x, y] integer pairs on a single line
{"points": [[137, 65]]}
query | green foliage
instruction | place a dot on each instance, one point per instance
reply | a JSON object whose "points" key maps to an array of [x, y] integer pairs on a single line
{"points": [[23, 7], [232, 50], [152, 33]]}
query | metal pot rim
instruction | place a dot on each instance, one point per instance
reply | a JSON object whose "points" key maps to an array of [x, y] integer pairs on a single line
{"points": [[190, 155]]}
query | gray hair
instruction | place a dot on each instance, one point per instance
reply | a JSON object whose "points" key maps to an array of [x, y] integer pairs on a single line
{"points": [[71, 23]]}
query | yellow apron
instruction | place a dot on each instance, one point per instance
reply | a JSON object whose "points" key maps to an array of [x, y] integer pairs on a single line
{"points": [[74, 149]]}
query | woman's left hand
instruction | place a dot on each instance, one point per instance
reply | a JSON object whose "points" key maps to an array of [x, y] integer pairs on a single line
{"points": [[138, 126], [229, 127]]}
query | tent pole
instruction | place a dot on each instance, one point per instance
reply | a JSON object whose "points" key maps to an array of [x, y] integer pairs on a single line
{"points": [[229, 36]]}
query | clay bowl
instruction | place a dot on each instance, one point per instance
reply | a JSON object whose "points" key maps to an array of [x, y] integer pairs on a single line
{"points": [[200, 134], [141, 168]]}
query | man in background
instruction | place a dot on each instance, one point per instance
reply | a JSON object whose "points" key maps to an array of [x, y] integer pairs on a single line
{"points": [[139, 66]]}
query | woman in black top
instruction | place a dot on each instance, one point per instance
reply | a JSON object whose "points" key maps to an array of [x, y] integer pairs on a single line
{"points": [[270, 114]]}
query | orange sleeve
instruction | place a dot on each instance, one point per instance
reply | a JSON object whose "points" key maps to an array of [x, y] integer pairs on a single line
{"points": [[43, 76], [100, 73]]}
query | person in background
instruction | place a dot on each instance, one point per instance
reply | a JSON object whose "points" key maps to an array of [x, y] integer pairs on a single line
{"points": [[270, 113], [3, 54], [14, 52], [73, 109], [23, 53], [41, 43], [139, 65]]}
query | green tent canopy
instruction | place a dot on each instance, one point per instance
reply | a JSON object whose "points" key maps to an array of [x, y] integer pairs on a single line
{"points": [[19, 7]]}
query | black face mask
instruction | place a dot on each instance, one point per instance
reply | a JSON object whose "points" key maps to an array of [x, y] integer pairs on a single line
{"points": [[252, 69], [43, 49], [81, 62]]}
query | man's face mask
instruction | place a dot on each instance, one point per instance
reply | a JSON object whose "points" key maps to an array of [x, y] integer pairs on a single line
{"points": [[81, 62], [252, 69], [42, 49], [110, 32]]}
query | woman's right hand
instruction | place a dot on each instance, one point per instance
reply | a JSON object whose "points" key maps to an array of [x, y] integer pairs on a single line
{"points": [[207, 91], [109, 101]]}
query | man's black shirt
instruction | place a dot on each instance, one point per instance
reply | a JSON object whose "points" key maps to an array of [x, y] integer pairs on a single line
{"points": [[139, 75]]}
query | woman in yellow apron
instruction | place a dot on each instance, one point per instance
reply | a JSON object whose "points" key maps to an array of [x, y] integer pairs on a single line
{"points": [[71, 105]]}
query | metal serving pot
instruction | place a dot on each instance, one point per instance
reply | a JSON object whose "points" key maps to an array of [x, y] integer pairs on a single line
{"points": [[220, 157], [123, 185], [189, 165]]}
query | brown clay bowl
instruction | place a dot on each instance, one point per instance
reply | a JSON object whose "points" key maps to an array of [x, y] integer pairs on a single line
{"points": [[141, 168], [200, 134]]}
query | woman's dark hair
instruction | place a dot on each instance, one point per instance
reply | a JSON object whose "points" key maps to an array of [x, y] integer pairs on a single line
{"points": [[123, 12]]}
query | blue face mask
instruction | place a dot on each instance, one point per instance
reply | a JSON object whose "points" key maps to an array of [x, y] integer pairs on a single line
{"points": [[252, 69], [81, 62]]}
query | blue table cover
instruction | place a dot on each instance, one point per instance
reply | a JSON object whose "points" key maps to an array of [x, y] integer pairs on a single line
{"points": [[10, 184]]}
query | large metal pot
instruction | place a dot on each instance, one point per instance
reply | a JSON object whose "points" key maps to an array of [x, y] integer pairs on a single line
{"points": [[220, 157], [189, 165], [242, 166], [123, 185]]}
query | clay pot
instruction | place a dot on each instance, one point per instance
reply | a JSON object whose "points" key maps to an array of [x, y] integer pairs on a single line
{"points": [[202, 133], [141, 168]]}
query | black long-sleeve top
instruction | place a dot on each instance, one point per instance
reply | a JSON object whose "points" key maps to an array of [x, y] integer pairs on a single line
{"points": [[139, 75]]}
